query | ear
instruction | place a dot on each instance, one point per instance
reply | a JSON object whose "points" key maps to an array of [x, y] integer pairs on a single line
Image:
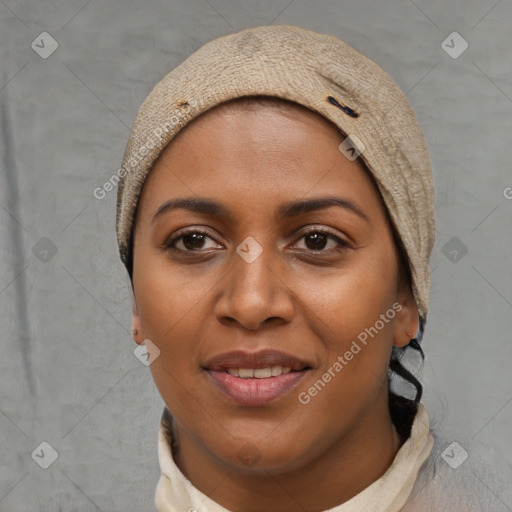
{"points": [[137, 332], [407, 319]]}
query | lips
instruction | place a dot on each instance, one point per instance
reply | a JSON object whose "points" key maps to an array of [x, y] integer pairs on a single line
{"points": [[244, 377], [255, 360]]}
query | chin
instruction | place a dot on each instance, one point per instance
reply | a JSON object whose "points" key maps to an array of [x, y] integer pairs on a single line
{"points": [[257, 456]]}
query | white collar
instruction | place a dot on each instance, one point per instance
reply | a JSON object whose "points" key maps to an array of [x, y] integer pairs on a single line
{"points": [[175, 493]]}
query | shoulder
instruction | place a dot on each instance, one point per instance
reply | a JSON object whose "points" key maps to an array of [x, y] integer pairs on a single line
{"points": [[461, 475]]}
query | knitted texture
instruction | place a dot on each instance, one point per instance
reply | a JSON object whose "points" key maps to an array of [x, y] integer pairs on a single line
{"points": [[325, 75]]}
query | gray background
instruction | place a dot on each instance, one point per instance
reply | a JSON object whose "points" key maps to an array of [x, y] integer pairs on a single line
{"points": [[68, 374]]}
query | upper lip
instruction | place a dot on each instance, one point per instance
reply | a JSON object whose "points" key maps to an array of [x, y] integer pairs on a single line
{"points": [[255, 360]]}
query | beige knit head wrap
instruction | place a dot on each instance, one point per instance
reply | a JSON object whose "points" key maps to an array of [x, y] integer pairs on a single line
{"points": [[321, 73]]}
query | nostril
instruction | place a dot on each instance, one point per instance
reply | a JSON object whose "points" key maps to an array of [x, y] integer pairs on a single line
{"points": [[347, 110]]}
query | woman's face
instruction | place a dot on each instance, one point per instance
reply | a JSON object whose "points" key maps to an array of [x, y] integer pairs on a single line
{"points": [[280, 256]]}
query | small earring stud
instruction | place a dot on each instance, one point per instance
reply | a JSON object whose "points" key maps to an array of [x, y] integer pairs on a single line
{"points": [[135, 331]]}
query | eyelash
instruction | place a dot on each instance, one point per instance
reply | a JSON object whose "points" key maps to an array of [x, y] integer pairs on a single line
{"points": [[342, 245]]}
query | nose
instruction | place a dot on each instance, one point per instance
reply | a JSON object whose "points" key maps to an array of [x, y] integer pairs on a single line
{"points": [[255, 293]]}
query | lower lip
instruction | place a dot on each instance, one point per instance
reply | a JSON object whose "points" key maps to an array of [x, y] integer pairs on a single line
{"points": [[256, 391]]}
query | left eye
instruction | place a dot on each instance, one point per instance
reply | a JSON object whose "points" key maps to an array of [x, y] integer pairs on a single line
{"points": [[316, 240]]}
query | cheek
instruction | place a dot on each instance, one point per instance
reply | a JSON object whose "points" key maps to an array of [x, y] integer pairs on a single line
{"points": [[172, 324], [352, 299], [355, 324], [175, 307], [170, 296], [354, 319], [173, 318]]}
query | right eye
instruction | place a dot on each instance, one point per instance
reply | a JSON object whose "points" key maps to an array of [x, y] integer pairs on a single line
{"points": [[191, 241]]}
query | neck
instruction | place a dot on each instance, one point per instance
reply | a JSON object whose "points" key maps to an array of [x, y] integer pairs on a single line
{"points": [[350, 465]]}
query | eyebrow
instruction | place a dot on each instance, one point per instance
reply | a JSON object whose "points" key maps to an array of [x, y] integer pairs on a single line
{"points": [[290, 209]]}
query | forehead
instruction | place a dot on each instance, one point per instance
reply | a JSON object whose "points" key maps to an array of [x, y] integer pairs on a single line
{"points": [[252, 123], [273, 106], [257, 144], [252, 111]]}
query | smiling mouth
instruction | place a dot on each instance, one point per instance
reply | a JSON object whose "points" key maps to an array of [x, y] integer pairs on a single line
{"points": [[255, 379], [253, 390]]}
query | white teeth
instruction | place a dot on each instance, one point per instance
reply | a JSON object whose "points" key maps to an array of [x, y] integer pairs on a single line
{"points": [[277, 370], [263, 373], [259, 373]]}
